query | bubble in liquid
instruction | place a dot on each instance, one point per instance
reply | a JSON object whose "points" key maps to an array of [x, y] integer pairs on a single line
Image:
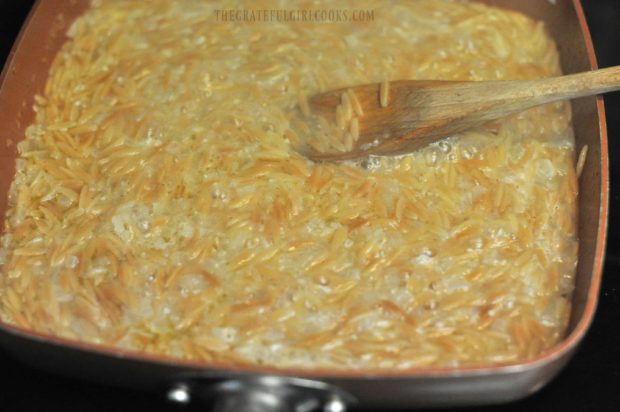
{"points": [[467, 154], [444, 146], [370, 163]]}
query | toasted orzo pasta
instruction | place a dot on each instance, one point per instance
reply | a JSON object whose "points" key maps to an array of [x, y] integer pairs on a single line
{"points": [[159, 204]]}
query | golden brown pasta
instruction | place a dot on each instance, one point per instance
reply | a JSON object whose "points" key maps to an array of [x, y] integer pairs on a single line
{"points": [[159, 204]]}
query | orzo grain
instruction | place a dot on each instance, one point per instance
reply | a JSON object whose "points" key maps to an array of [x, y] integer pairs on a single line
{"points": [[384, 93]]}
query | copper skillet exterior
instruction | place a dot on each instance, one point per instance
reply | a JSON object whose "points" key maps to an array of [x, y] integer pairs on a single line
{"points": [[278, 389]]}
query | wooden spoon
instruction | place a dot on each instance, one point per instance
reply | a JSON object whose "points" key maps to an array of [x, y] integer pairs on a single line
{"points": [[420, 112]]}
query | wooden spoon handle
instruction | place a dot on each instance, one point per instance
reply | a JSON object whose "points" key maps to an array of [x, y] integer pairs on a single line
{"points": [[473, 102], [576, 85]]}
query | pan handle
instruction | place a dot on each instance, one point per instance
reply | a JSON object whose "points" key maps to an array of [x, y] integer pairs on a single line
{"points": [[263, 394]]}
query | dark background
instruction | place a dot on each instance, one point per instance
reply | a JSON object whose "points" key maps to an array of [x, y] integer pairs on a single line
{"points": [[590, 382]]}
